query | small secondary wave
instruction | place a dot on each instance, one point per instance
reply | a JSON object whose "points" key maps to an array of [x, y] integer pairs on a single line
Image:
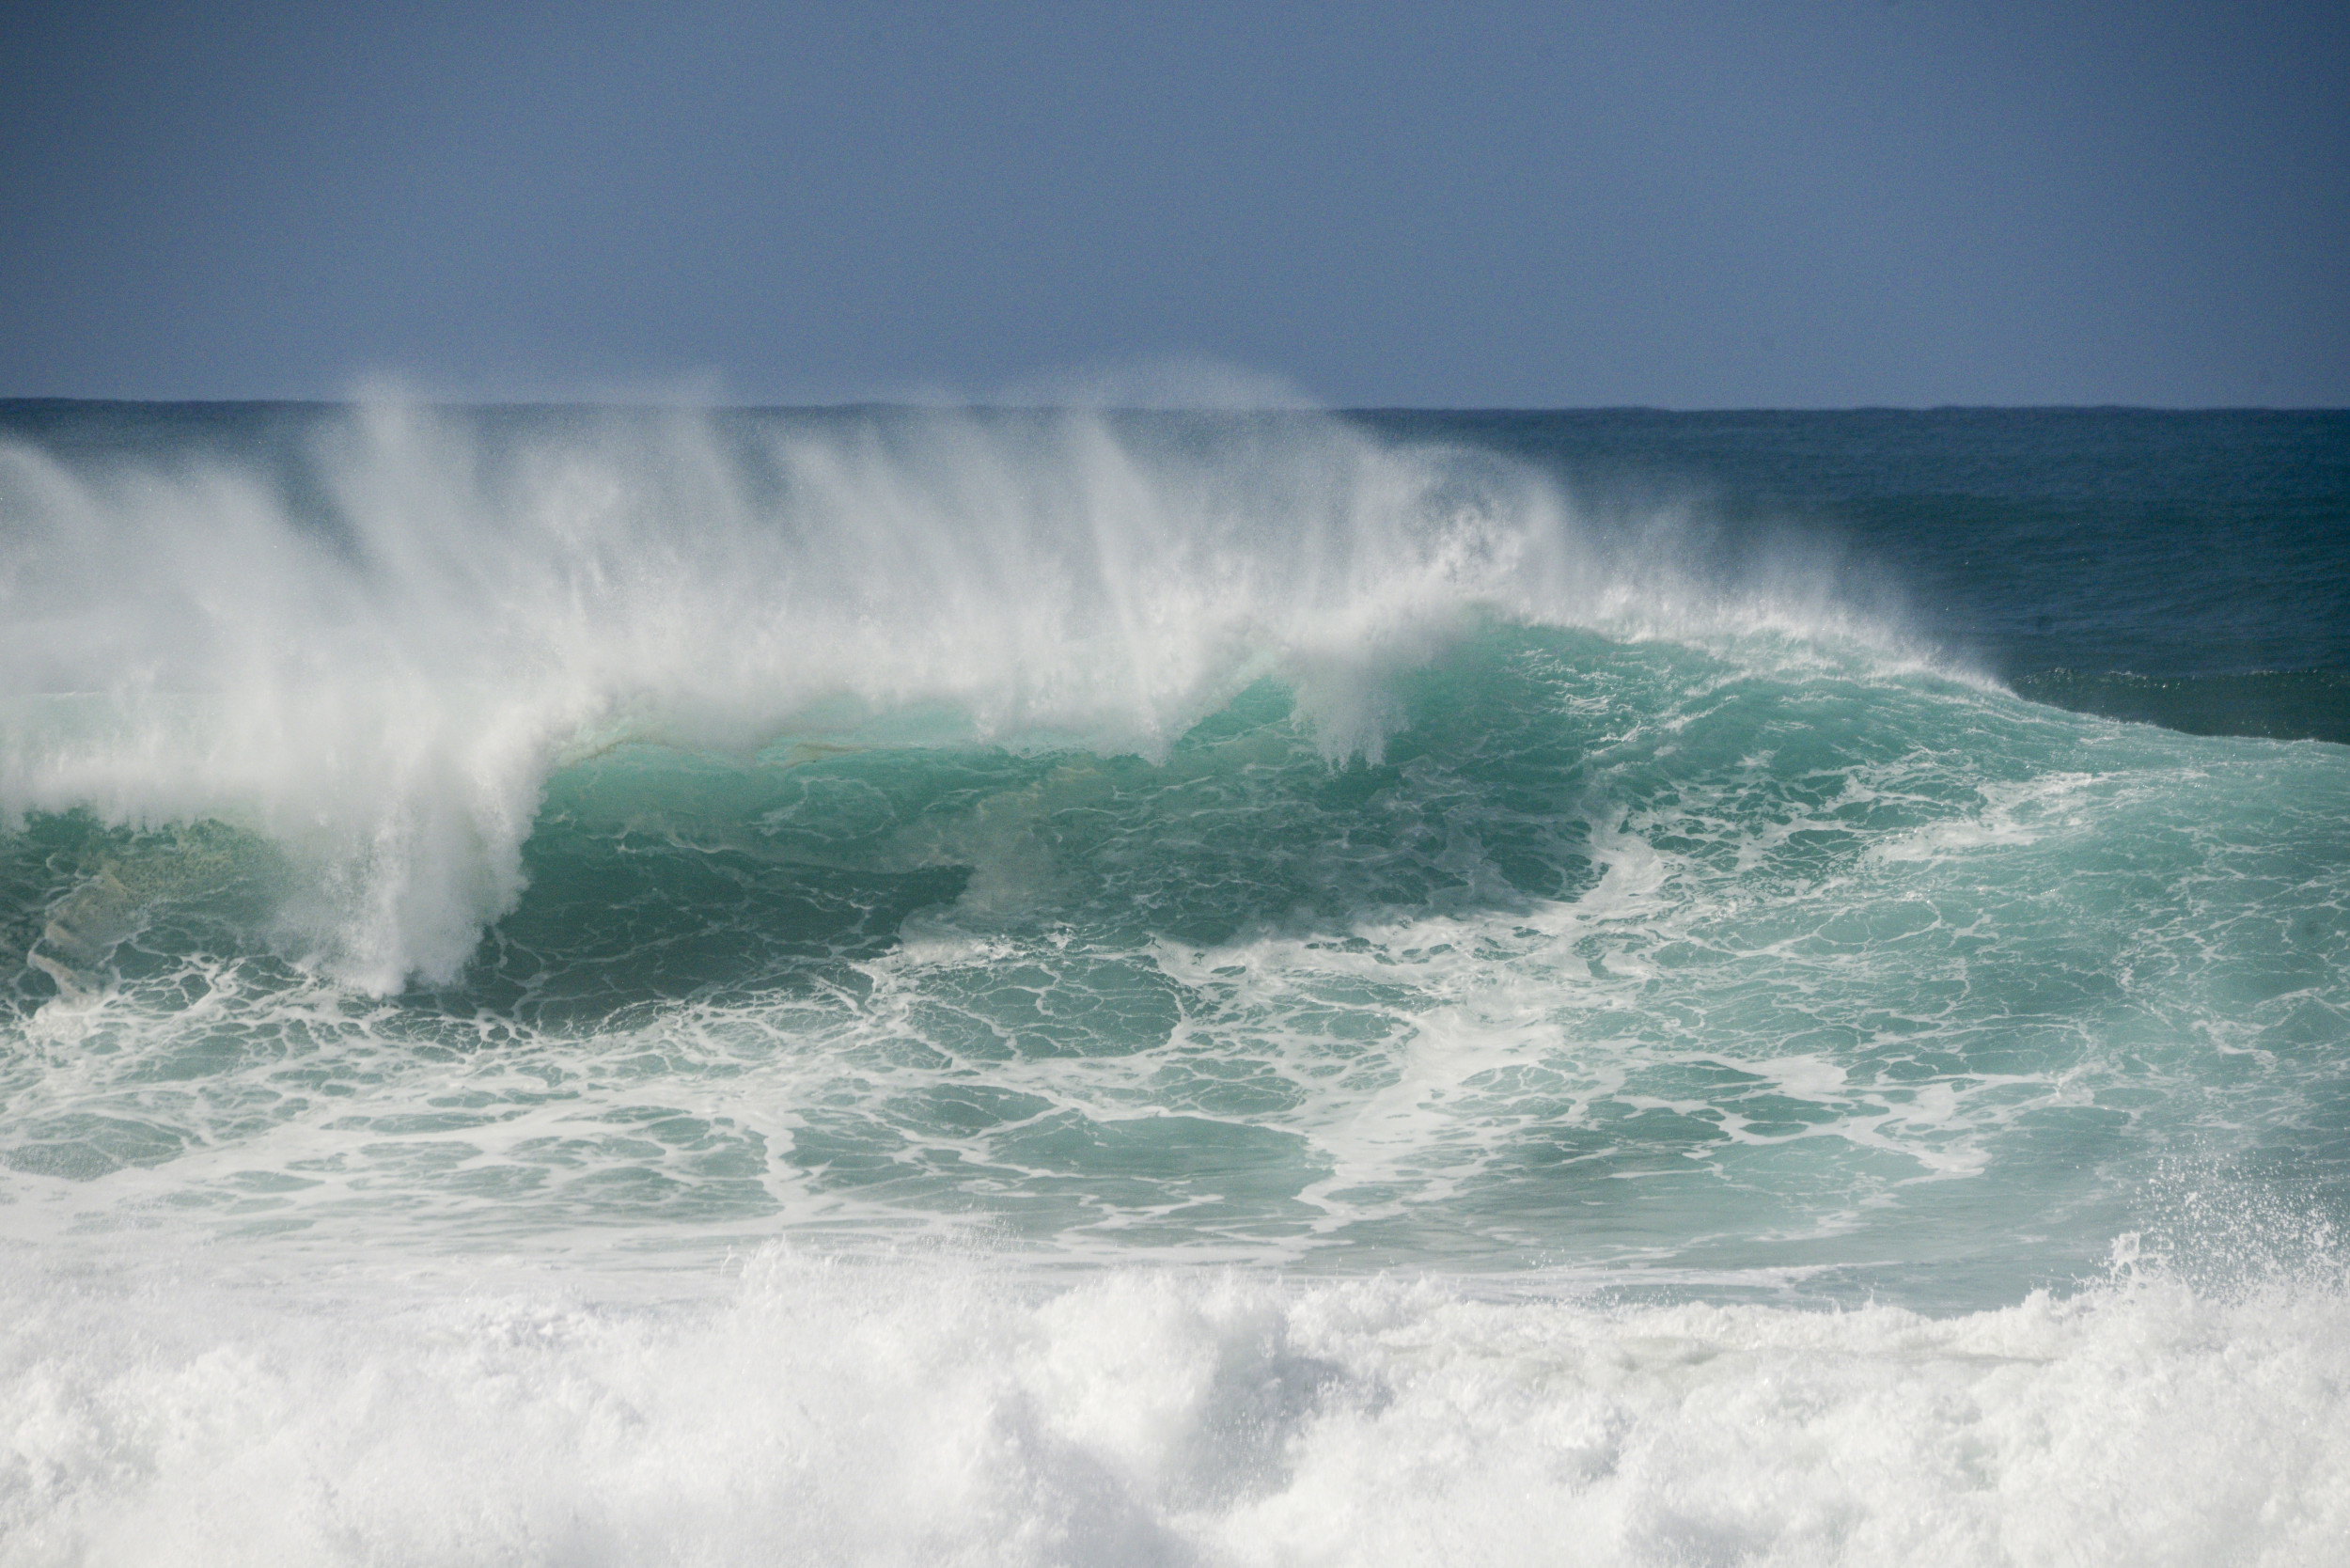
{"points": [[374, 659]]}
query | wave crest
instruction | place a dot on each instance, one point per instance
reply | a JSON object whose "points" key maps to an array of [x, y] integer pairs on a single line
{"points": [[373, 648]]}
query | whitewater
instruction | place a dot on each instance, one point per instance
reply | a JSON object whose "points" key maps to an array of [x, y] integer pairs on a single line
{"points": [[885, 986]]}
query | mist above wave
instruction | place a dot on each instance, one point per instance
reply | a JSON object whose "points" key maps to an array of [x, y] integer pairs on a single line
{"points": [[373, 651]]}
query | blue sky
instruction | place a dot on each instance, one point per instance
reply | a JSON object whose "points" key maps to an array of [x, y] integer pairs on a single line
{"points": [[1806, 204]]}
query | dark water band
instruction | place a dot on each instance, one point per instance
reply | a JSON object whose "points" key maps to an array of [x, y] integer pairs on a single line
{"points": [[2284, 705]]}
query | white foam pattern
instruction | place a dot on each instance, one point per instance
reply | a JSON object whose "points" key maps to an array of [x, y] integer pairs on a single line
{"points": [[926, 1412]]}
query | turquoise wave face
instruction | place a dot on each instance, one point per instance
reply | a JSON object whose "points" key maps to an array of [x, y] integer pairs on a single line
{"points": [[1749, 966]]}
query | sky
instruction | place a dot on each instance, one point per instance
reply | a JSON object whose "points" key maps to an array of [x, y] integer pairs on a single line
{"points": [[1810, 203]]}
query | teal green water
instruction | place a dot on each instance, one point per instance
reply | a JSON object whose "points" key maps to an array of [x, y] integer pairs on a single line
{"points": [[1594, 845], [1722, 969]]}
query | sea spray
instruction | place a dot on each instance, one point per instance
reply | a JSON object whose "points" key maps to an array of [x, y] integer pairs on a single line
{"points": [[375, 653]]}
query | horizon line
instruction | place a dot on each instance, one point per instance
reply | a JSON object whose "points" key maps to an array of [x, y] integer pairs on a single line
{"points": [[856, 405]]}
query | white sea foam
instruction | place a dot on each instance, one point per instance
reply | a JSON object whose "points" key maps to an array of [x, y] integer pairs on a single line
{"points": [[1748, 1039], [374, 658], [920, 1412]]}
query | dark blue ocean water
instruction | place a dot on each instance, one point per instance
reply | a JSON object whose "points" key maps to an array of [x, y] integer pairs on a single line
{"points": [[1023, 986], [2066, 551]]}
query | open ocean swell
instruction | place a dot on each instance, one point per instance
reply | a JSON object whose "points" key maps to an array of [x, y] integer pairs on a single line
{"points": [[889, 986]]}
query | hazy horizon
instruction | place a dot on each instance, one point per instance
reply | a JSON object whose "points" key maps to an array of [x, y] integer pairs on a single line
{"points": [[1695, 206], [983, 406]]}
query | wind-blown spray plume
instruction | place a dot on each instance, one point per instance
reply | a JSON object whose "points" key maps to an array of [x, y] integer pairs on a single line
{"points": [[373, 651]]}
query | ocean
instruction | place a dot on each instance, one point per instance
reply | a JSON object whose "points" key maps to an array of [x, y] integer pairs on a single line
{"points": [[880, 985]]}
